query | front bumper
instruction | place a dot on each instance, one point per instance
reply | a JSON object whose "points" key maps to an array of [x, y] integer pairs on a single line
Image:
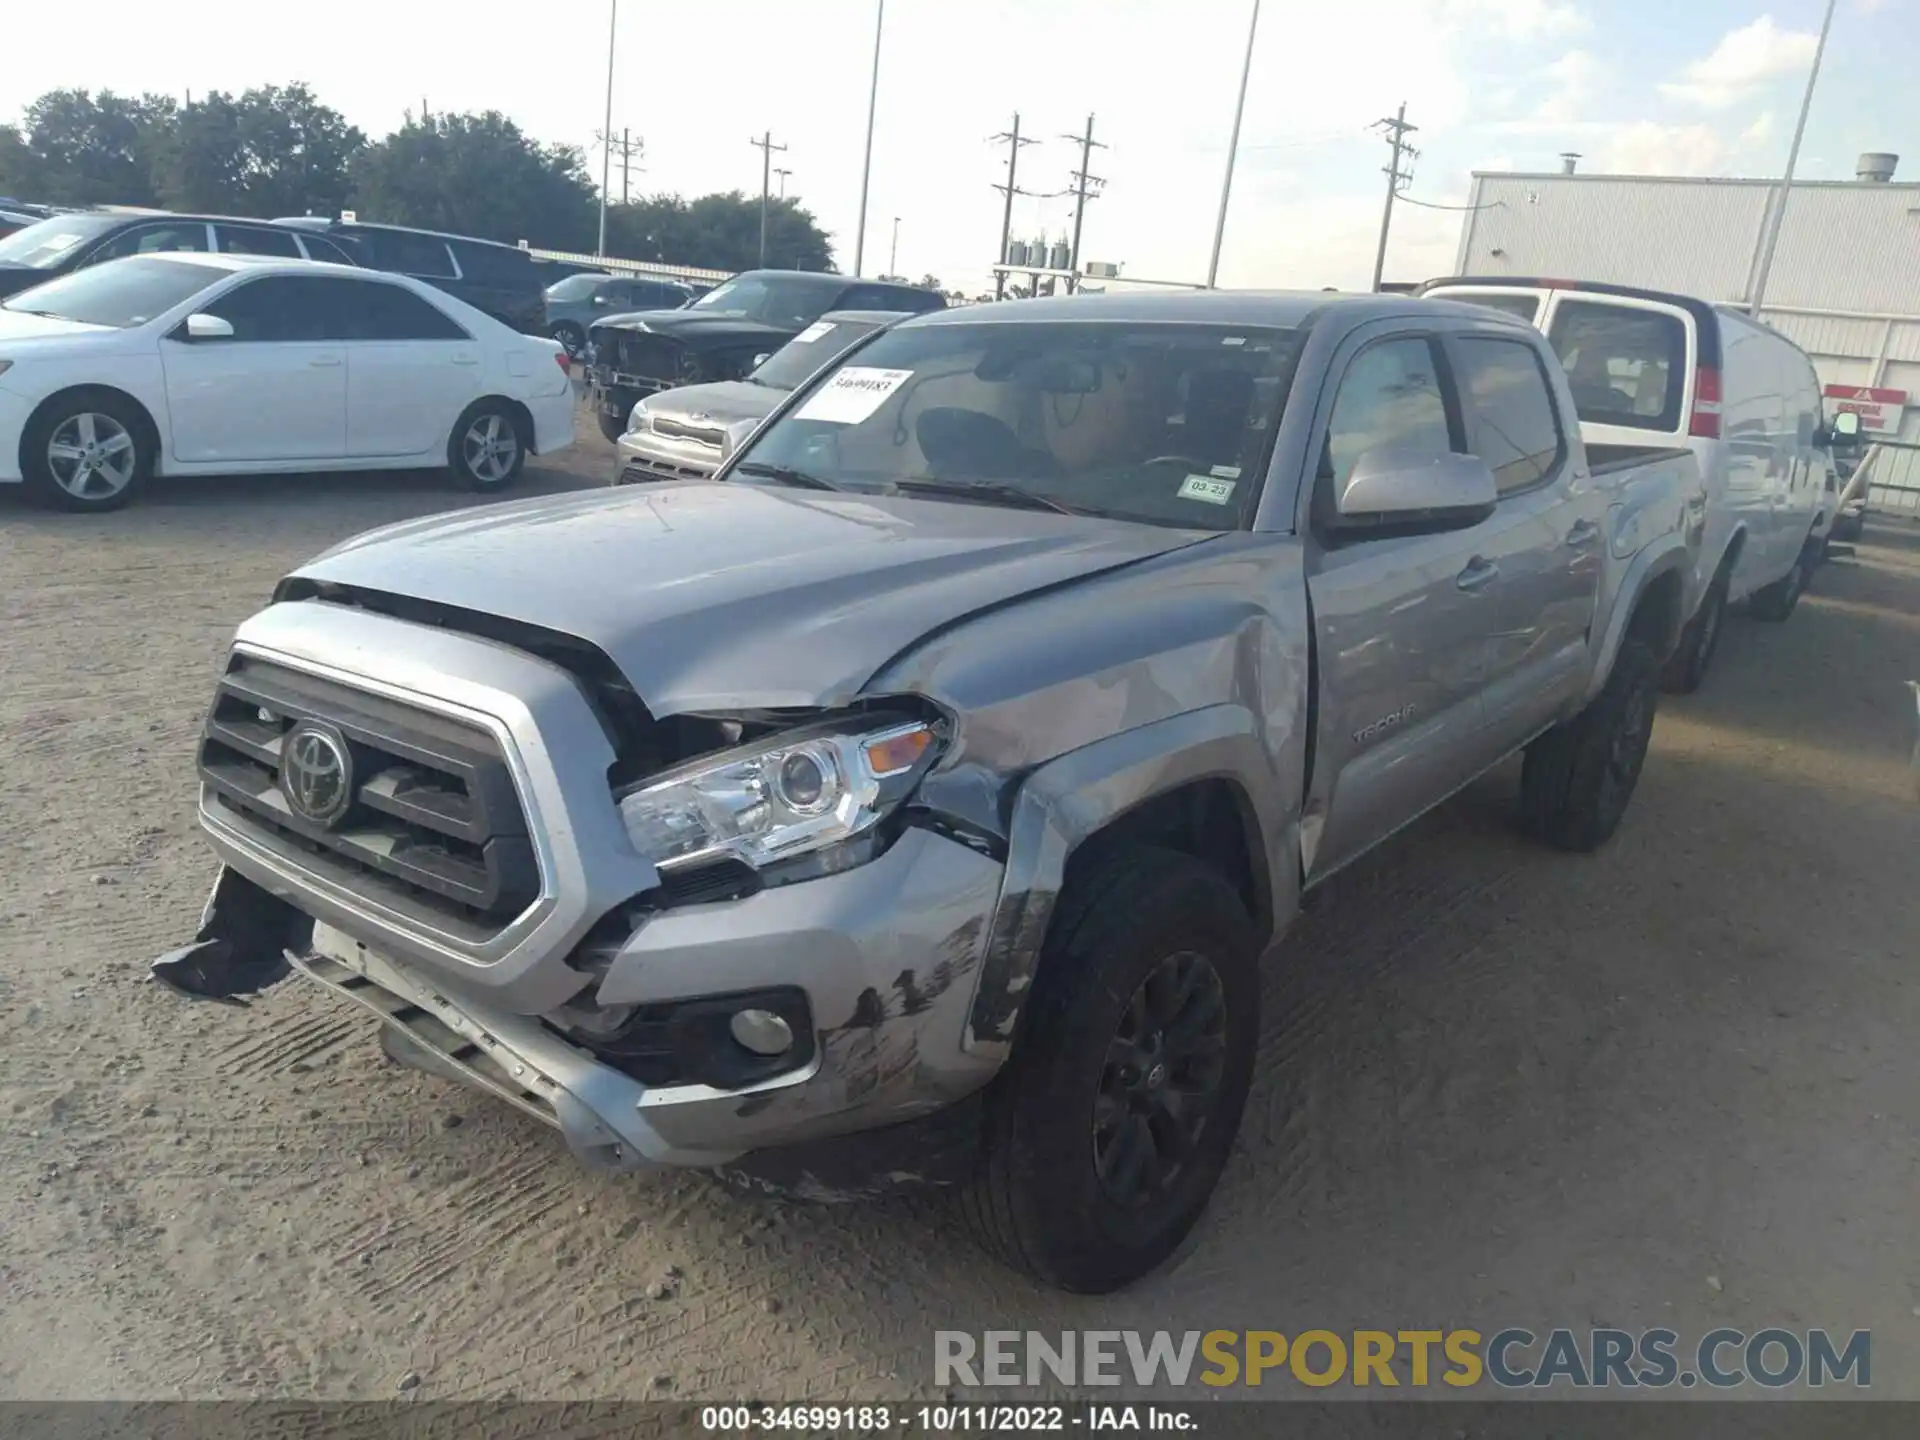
{"points": [[14, 413], [643, 457]]}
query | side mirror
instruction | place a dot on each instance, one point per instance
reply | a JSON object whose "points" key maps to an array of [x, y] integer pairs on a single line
{"points": [[1844, 432], [208, 327], [1391, 487], [761, 359]]}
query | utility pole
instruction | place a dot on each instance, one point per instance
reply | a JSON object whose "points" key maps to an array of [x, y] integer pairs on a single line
{"points": [[627, 148], [866, 164], [766, 147], [1014, 142], [1082, 180], [606, 125], [1786, 181], [893, 253], [1233, 149], [783, 180], [1396, 131]]}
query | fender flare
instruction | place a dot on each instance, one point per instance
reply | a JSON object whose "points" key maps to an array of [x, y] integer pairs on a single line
{"points": [[1664, 556], [1075, 795]]}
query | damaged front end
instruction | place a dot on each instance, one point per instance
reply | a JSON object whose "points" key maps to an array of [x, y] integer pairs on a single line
{"points": [[241, 945]]}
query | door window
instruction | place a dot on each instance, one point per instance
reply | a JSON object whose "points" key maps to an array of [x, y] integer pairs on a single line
{"points": [[390, 312], [1390, 396], [154, 240], [285, 309], [1625, 366], [1510, 417], [244, 240], [410, 254], [1527, 307], [318, 249]]}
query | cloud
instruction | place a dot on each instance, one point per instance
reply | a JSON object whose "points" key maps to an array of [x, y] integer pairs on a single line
{"points": [[1744, 60], [1574, 82], [1646, 148], [1517, 19]]}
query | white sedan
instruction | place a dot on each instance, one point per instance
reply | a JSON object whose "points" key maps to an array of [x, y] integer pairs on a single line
{"points": [[217, 364]]}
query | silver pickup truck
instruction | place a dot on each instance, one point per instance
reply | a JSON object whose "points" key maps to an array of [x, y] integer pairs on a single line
{"points": [[915, 803]]}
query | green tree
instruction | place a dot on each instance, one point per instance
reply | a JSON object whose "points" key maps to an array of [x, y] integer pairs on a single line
{"points": [[19, 175], [271, 152], [718, 232], [477, 175], [96, 151]]}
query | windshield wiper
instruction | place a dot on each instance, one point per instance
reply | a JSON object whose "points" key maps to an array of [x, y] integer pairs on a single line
{"points": [[785, 474], [991, 490]]}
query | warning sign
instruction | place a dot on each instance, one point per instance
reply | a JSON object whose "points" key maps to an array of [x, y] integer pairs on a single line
{"points": [[1879, 410]]}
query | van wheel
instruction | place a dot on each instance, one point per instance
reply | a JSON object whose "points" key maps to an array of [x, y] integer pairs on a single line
{"points": [[1687, 666], [487, 450], [1577, 778], [88, 452], [1776, 602], [1108, 1129]]}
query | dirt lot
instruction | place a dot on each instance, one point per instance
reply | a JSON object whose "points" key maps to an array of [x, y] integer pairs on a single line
{"points": [[1673, 1083]]}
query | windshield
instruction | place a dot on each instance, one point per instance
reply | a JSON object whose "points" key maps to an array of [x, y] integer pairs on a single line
{"points": [[46, 243], [813, 347], [574, 287], [1166, 424], [121, 293], [771, 299]]}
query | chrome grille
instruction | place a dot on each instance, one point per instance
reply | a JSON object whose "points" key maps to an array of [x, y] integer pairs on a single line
{"points": [[435, 829]]}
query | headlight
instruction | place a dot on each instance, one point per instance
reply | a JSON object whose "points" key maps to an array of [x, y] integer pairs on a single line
{"points": [[636, 417], [790, 795]]}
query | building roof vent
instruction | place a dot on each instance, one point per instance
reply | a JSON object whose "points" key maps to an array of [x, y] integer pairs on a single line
{"points": [[1876, 167], [1568, 160]]}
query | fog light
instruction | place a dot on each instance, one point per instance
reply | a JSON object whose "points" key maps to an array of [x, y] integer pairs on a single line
{"points": [[761, 1031]]}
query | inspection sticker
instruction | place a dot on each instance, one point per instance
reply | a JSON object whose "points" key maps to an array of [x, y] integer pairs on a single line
{"points": [[1205, 487], [819, 330], [852, 395]]}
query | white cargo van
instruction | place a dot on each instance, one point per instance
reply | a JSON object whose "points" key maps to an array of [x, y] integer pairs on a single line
{"points": [[1648, 367]]}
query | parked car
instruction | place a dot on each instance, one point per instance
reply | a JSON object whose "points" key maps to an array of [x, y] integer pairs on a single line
{"points": [[723, 334], [216, 364], [915, 800], [497, 280], [1645, 364], [61, 244], [14, 221], [580, 300], [684, 433]]}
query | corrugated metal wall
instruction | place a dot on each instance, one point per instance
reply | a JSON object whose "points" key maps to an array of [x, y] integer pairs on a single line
{"points": [[1843, 247]]}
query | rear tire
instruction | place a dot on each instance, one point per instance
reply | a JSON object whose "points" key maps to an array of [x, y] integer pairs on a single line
{"points": [[488, 448], [1577, 778], [1686, 668], [571, 337], [1109, 1128], [89, 452], [1777, 601]]}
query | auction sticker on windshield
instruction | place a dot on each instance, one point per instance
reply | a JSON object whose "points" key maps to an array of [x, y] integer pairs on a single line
{"points": [[1205, 487], [852, 395], [818, 330]]}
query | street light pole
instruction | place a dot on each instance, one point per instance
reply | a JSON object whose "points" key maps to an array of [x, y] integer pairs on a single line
{"points": [[893, 254], [866, 165], [606, 129], [1233, 150], [1779, 214]]}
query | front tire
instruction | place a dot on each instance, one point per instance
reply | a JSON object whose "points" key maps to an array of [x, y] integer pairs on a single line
{"points": [[488, 448], [1109, 1128], [89, 452], [611, 426], [1687, 667], [1577, 778], [571, 337]]}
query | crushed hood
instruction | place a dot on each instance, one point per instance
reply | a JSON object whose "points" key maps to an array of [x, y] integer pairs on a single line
{"points": [[698, 327], [736, 596]]}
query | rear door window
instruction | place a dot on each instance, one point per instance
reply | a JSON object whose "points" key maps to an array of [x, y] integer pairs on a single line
{"points": [[391, 312], [420, 255], [1625, 365], [1510, 418], [319, 249], [248, 240], [162, 239]]}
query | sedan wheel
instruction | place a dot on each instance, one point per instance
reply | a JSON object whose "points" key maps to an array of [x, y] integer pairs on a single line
{"points": [[487, 449], [92, 457]]}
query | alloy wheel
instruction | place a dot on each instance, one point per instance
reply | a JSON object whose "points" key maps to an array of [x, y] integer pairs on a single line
{"points": [[490, 448], [92, 456]]}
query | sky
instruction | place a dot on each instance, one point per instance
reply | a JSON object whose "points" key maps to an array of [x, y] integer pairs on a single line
{"points": [[1708, 87]]}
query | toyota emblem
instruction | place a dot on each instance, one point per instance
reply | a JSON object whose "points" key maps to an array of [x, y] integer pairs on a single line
{"points": [[316, 772]]}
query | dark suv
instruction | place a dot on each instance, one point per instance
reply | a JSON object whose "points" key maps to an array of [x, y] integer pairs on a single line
{"points": [[724, 334], [500, 279], [60, 244]]}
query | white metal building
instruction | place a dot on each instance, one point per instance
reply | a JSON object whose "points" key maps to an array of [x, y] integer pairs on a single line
{"points": [[1844, 284]]}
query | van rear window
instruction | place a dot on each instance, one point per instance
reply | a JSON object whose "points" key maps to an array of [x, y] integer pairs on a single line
{"points": [[1625, 366]]}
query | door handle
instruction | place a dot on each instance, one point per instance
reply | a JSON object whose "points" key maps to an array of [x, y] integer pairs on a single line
{"points": [[324, 360], [1583, 534], [466, 360], [1479, 572]]}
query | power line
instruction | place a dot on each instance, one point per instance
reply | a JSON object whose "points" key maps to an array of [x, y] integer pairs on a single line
{"points": [[627, 147], [1396, 130], [1014, 141], [766, 147], [1083, 185]]}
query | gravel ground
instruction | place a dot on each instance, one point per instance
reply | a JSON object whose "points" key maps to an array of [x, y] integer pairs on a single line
{"points": [[1669, 1084]]}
